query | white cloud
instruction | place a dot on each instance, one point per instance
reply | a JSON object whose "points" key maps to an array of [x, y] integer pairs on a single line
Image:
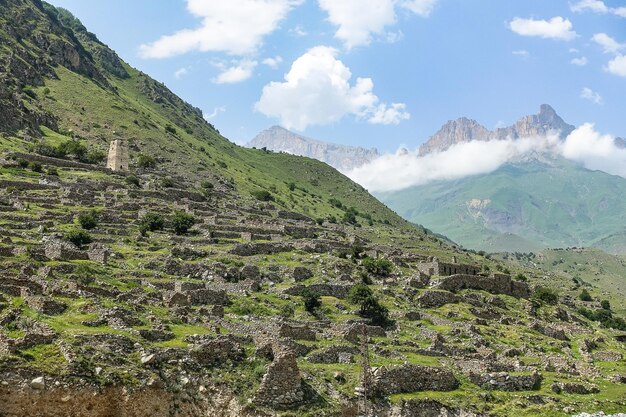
{"points": [[522, 53], [236, 73], [419, 7], [405, 169], [389, 115], [214, 113], [273, 62], [617, 66], [597, 6], [236, 27], [555, 28], [358, 20], [298, 31], [581, 62], [595, 151], [589, 94], [317, 91], [180, 73], [608, 44]]}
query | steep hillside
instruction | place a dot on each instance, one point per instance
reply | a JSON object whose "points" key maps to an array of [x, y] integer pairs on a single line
{"points": [[214, 280], [522, 207], [341, 157]]}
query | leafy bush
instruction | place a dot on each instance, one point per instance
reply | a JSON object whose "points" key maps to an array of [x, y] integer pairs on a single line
{"points": [[359, 293], [336, 203], [78, 237], [521, 277], [22, 163], [585, 296], [381, 267], [546, 295], [312, 300], [182, 222], [605, 304], [262, 195], [170, 129], [35, 166], [605, 317], [350, 216], [373, 310], [207, 185], [88, 220], [132, 180], [72, 147], [167, 183], [151, 222], [52, 171], [286, 310], [28, 90], [291, 186], [95, 156], [145, 161]]}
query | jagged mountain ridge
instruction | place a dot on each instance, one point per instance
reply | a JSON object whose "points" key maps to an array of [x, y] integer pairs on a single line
{"points": [[465, 130], [341, 157]]}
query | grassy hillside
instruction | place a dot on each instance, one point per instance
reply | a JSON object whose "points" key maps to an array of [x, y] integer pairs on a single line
{"points": [[210, 273], [522, 207]]}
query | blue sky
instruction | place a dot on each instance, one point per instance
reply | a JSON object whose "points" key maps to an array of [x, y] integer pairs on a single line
{"points": [[420, 62]]}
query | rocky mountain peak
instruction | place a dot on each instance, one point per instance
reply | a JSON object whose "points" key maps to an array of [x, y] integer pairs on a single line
{"points": [[341, 157], [465, 130]]}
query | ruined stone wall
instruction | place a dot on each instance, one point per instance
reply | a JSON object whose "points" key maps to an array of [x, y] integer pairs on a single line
{"points": [[499, 284]]}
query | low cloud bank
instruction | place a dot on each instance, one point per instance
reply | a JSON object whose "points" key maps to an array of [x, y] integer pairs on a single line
{"points": [[405, 169]]}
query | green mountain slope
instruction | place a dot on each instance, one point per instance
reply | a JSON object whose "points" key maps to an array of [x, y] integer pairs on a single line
{"points": [[522, 207], [213, 280]]}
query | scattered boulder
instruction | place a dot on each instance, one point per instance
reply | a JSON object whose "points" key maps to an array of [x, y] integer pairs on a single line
{"points": [[503, 381], [38, 383]]}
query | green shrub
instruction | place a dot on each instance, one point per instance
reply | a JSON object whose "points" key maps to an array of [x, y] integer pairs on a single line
{"points": [[312, 300], [95, 156], [381, 267], [28, 90], [262, 195], [359, 293], [336, 203], [78, 237], [521, 277], [151, 222], [170, 129], [286, 310], [52, 171], [373, 310], [546, 295], [167, 183], [22, 163], [72, 147], [605, 304], [349, 216], [291, 186], [132, 180], [585, 296], [207, 185], [145, 161], [35, 166], [88, 220], [182, 222]]}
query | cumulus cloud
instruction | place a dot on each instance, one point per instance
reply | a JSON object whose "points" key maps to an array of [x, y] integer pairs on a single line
{"points": [[522, 53], [589, 94], [405, 169], [581, 62], [317, 90], [358, 20], [555, 28], [617, 66], [597, 6], [236, 27], [608, 44], [180, 73], [273, 62], [240, 71]]}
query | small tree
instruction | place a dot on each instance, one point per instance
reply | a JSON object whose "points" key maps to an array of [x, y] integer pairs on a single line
{"points": [[35, 166], [312, 300], [381, 267], [262, 195], [182, 222], [151, 222], [167, 183], [585, 296], [605, 304], [88, 220], [546, 295], [358, 293], [78, 237], [373, 310], [132, 180], [146, 161]]}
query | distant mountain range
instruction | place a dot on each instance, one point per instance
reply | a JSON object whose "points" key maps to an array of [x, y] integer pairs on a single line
{"points": [[539, 202], [466, 130], [341, 157]]}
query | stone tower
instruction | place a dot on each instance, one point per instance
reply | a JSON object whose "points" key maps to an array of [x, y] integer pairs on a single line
{"points": [[118, 155]]}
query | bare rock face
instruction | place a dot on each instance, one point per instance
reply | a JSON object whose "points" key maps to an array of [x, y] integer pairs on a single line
{"points": [[466, 130], [343, 158], [281, 386]]}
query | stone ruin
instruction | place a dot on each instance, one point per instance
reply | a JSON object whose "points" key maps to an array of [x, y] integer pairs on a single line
{"points": [[118, 159]]}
